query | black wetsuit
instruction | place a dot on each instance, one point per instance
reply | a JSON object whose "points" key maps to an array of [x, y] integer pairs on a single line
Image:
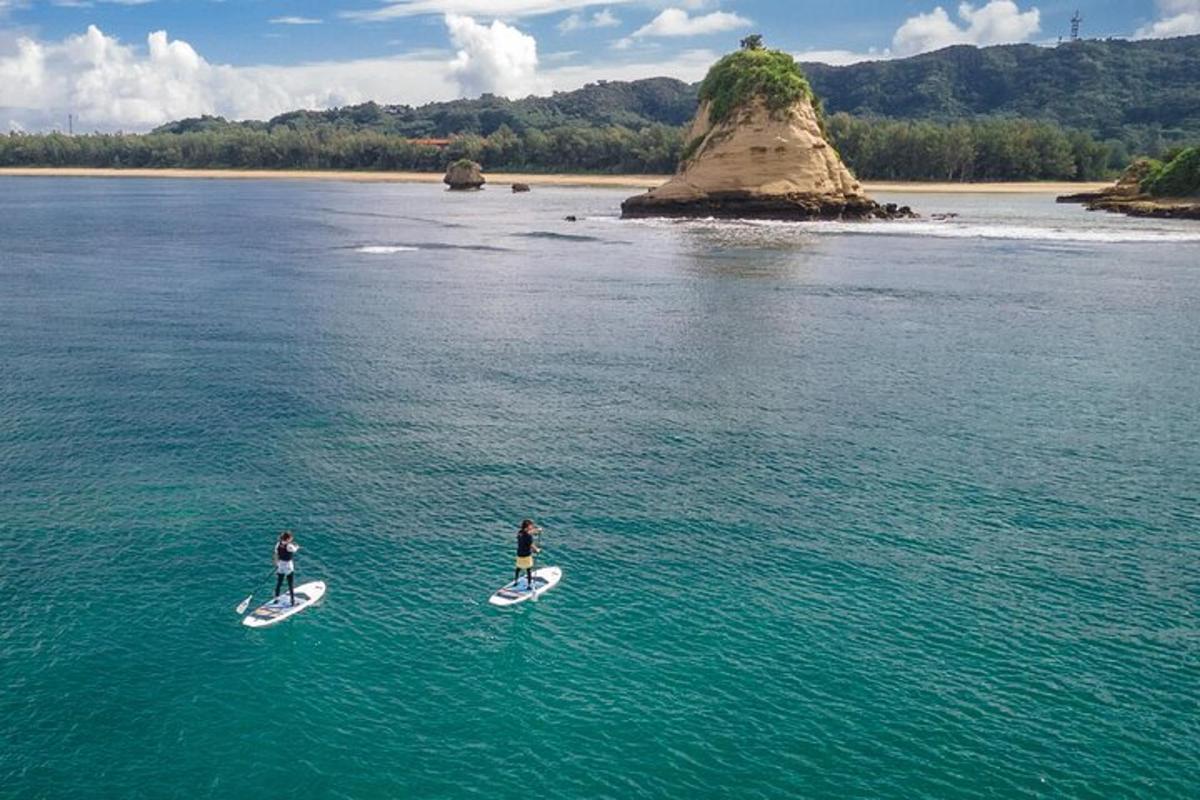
{"points": [[283, 554], [524, 544], [524, 549]]}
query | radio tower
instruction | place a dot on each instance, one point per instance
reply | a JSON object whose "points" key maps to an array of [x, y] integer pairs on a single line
{"points": [[1076, 21]]}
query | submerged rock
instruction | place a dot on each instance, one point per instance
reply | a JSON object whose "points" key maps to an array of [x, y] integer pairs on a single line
{"points": [[756, 148], [464, 174]]}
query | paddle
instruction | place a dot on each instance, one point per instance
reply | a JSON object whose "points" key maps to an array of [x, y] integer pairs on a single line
{"points": [[242, 606], [532, 586]]}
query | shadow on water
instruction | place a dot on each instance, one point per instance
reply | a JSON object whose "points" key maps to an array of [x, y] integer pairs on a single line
{"points": [[390, 247], [568, 237], [441, 223]]}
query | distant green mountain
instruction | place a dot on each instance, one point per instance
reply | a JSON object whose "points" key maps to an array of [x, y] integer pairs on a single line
{"points": [[629, 104], [1138, 92], [1145, 94]]}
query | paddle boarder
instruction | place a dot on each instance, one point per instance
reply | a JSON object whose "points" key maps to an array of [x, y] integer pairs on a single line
{"points": [[285, 567], [526, 550]]}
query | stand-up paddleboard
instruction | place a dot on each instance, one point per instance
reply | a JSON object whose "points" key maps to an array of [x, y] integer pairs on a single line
{"points": [[281, 607], [544, 579]]}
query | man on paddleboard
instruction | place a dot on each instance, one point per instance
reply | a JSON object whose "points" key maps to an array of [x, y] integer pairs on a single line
{"points": [[526, 550], [285, 567]]}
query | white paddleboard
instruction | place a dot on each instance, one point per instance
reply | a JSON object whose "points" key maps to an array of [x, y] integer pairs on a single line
{"points": [[544, 579], [281, 607]]}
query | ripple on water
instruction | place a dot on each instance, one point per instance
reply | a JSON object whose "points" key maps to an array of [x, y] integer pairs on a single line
{"points": [[875, 511]]}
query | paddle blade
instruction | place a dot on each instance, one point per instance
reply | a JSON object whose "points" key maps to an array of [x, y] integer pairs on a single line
{"points": [[242, 606]]}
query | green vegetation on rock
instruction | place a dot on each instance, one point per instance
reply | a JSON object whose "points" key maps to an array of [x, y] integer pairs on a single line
{"points": [[1179, 177], [690, 148], [753, 72]]}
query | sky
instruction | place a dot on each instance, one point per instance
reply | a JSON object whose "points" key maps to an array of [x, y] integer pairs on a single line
{"points": [[134, 64]]}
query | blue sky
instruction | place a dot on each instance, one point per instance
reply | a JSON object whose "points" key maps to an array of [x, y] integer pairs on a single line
{"points": [[106, 62]]}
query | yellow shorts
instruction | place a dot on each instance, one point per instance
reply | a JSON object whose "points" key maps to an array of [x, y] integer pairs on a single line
{"points": [[524, 562]]}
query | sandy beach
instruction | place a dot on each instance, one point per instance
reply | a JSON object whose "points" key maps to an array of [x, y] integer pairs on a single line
{"points": [[496, 178], [504, 178], [1028, 187]]}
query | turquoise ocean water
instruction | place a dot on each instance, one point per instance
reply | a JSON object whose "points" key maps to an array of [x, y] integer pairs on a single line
{"points": [[904, 510]]}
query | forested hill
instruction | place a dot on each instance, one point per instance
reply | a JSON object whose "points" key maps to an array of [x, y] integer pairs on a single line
{"points": [[1145, 94], [634, 105], [1114, 89]]}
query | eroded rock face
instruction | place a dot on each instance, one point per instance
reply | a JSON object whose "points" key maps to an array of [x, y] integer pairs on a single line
{"points": [[763, 164], [1127, 187], [463, 175]]}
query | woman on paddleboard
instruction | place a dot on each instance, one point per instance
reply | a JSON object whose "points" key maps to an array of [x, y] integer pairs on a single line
{"points": [[285, 567], [526, 550]]}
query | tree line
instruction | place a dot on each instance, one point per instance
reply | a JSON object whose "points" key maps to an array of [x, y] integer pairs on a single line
{"points": [[615, 149], [989, 149]]}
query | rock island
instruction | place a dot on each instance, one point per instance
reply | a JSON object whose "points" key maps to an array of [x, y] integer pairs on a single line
{"points": [[757, 149]]}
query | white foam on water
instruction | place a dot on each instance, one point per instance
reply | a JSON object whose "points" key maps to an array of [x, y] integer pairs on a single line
{"points": [[385, 249], [953, 230], [1012, 232]]}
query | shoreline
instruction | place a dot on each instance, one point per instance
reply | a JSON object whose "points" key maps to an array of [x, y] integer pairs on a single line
{"points": [[533, 179]]}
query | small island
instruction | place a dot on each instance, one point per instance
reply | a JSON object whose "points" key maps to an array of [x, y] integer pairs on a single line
{"points": [[464, 175], [757, 149], [1168, 189]]}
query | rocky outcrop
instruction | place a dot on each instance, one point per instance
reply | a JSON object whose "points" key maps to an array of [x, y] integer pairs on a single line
{"points": [[1128, 186], [1158, 207], [464, 174], [1127, 196], [760, 163]]}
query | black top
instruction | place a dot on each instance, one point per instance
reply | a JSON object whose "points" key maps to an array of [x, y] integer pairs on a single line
{"points": [[524, 544], [282, 552]]}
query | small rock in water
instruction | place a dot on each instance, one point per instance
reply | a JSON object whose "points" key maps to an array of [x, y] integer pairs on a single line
{"points": [[520, 187], [571, 218], [464, 174]]}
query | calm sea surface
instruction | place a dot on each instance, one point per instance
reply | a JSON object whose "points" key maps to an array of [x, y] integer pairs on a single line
{"points": [[887, 510]]}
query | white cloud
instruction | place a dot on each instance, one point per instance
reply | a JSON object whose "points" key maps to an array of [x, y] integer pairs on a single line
{"points": [[1177, 18], [677, 22], [997, 22], [489, 9], [109, 85], [690, 65], [295, 21], [605, 19], [600, 19], [496, 58], [840, 58]]}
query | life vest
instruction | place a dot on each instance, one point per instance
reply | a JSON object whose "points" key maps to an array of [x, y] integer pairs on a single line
{"points": [[282, 552]]}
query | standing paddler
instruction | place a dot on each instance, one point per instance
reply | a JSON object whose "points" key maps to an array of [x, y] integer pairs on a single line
{"points": [[285, 567], [526, 550]]}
